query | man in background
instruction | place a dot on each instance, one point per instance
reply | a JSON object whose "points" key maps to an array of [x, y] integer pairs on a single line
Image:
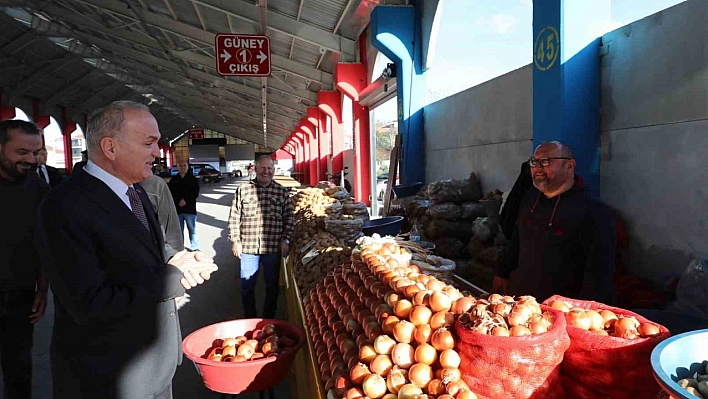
{"points": [[185, 190], [23, 287], [564, 242], [82, 162], [260, 224], [49, 174]]}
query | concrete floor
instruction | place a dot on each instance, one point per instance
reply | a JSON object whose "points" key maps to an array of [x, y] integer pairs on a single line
{"points": [[215, 301]]}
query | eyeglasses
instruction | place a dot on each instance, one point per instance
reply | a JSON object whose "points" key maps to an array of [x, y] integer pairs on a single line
{"points": [[543, 162]]}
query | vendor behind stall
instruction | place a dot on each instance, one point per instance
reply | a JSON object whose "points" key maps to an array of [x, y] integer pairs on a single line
{"points": [[564, 241]]}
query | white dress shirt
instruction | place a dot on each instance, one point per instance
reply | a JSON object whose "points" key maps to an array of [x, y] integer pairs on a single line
{"points": [[114, 183], [43, 170]]}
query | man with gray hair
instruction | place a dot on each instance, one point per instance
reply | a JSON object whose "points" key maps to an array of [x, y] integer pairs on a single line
{"points": [[116, 329]]}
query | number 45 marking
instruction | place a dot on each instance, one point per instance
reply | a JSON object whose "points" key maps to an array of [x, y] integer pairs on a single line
{"points": [[546, 48]]}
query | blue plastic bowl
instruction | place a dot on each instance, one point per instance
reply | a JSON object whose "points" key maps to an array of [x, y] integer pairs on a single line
{"points": [[679, 357], [388, 226], [408, 190]]}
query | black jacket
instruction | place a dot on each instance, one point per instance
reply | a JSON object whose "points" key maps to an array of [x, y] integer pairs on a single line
{"points": [[510, 212], [186, 188], [116, 329], [563, 245], [55, 177], [19, 263]]}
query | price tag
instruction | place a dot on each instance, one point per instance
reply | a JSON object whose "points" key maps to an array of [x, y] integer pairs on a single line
{"points": [[310, 255], [307, 246]]}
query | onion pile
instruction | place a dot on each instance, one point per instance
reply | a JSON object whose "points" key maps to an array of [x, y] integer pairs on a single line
{"points": [[606, 322], [504, 316], [253, 345], [401, 322]]}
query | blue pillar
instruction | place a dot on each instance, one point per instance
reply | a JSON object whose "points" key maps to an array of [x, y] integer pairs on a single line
{"points": [[395, 31], [566, 93]]}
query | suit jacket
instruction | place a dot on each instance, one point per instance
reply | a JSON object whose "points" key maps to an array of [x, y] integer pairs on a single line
{"points": [[55, 177], [116, 329]]}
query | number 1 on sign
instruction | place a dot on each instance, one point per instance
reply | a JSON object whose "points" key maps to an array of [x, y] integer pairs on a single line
{"points": [[243, 56]]}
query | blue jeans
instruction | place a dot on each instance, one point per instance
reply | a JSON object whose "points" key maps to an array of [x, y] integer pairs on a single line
{"points": [[250, 265], [192, 227]]}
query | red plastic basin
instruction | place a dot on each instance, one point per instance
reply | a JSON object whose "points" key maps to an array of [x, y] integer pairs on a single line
{"points": [[251, 376]]}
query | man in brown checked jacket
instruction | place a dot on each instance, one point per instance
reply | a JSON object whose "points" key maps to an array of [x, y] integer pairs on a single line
{"points": [[260, 224]]}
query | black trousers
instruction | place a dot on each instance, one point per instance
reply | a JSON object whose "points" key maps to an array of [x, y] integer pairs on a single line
{"points": [[16, 334]]}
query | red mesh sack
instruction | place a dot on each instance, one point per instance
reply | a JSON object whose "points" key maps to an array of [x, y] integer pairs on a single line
{"points": [[598, 366], [514, 367]]}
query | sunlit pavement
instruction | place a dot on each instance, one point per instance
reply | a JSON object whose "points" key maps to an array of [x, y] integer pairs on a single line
{"points": [[215, 301]]}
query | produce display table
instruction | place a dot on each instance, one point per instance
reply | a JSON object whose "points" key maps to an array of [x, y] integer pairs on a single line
{"points": [[305, 380]]}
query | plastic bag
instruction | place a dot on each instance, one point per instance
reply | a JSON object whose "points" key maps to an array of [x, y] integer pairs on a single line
{"points": [[437, 229], [356, 209], [692, 290], [473, 210], [598, 366], [514, 367], [446, 211], [348, 231], [453, 190]]}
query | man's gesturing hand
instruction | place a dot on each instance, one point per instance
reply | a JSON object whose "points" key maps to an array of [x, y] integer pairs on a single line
{"points": [[196, 267]]}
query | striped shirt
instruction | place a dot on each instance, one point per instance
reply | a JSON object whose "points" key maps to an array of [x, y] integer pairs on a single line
{"points": [[261, 217]]}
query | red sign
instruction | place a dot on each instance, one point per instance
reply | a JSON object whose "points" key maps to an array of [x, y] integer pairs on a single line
{"points": [[242, 55], [196, 132]]}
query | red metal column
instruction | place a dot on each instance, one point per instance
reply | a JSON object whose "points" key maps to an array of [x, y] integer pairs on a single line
{"points": [[6, 112], [42, 121], [300, 138], [307, 128], [313, 116], [67, 127], [330, 102], [323, 138], [362, 146], [351, 80], [171, 156]]}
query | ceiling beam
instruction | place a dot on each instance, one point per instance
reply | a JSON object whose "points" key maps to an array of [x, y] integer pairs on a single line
{"points": [[200, 16], [69, 88], [170, 9], [19, 43], [195, 74], [36, 78], [191, 32], [109, 91], [288, 26], [143, 40]]}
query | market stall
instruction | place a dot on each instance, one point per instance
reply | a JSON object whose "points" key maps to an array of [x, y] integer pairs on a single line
{"points": [[385, 319]]}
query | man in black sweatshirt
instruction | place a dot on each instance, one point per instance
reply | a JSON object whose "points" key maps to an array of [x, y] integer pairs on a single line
{"points": [[564, 241], [23, 287], [185, 190]]}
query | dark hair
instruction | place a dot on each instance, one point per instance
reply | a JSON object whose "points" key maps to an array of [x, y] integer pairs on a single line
{"points": [[7, 125]]}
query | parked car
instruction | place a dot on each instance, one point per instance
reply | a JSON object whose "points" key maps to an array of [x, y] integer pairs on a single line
{"points": [[202, 171]]}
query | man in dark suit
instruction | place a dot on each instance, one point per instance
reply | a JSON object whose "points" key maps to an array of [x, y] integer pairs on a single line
{"points": [[49, 174], [116, 328]]}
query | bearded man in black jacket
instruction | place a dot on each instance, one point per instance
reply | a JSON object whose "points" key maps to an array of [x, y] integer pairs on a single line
{"points": [[564, 241]]}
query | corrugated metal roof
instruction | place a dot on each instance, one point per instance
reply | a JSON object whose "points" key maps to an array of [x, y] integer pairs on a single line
{"points": [[285, 7], [323, 13], [306, 53]]}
